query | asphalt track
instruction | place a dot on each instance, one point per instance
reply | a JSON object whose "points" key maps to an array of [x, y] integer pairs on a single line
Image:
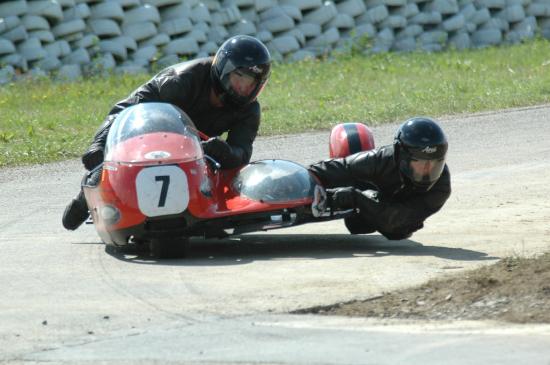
{"points": [[66, 299]]}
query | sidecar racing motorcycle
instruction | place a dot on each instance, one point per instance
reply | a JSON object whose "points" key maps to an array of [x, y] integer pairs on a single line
{"points": [[157, 188]]}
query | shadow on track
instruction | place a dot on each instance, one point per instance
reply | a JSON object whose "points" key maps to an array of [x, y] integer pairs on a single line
{"points": [[239, 250]]}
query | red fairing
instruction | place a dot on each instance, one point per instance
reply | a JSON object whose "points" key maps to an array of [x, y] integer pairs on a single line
{"points": [[349, 138]]}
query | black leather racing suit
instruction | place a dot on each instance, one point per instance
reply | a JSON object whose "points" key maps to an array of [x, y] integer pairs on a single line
{"points": [[187, 85], [387, 204]]}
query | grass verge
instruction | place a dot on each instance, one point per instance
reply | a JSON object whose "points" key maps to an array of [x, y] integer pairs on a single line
{"points": [[45, 121]]}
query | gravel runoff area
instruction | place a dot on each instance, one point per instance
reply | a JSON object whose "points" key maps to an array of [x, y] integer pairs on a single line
{"points": [[514, 290]]}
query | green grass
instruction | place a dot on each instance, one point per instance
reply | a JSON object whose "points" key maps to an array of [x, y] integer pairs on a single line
{"points": [[44, 121]]}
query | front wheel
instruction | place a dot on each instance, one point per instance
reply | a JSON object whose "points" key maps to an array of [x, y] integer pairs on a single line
{"points": [[168, 248], [357, 225]]}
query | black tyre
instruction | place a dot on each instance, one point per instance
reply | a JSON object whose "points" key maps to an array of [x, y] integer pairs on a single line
{"points": [[168, 248], [357, 225]]}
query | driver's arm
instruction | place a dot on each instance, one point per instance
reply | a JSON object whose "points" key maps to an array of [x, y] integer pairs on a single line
{"points": [[240, 138]]}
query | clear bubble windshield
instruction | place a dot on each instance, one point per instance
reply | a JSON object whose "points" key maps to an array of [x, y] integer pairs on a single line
{"points": [[274, 181], [148, 118]]}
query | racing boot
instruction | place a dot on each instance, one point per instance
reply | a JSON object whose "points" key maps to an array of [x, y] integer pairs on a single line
{"points": [[76, 212]]}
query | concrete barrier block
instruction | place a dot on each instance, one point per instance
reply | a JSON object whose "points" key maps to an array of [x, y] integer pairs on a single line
{"points": [[128, 42], [285, 44], [538, 9], [79, 11], [79, 56], [13, 8], [35, 22], [16, 60], [48, 63], [496, 23], [468, 12], [144, 13], [243, 27], [279, 24], [69, 73], [383, 41], [88, 41], [147, 53], [49, 9], [162, 3], [16, 34], [470, 27], [7, 74], [31, 49], [322, 15], [199, 35], [8, 23], [407, 11], [200, 13], [341, 21], [6, 46], [512, 14], [107, 10], [104, 28], [264, 35], [116, 48], [58, 49], [394, 21], [296, 33], [410, 31], [209, 48], [309, 30], [44, 36], [352, 8], [226, 16], [365, 30], [176, 26], [66, 3], [434, 36], [486, 37], [481, 16], [442, 6], [374, 15], [426, 18], [453, 23], [217, 33], [69, 27], [301, 55], [158, 40], [182, 46], [303, 4], [460, 40], [493, 4], [139, 31], [406, 44], [167, 60]]}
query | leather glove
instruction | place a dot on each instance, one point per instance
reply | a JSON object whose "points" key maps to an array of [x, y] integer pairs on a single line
{"points": [[216, 147], [342, 198], [92, 158]]}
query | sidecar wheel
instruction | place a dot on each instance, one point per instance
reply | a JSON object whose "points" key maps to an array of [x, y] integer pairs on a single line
{"points": [[168, 248]]}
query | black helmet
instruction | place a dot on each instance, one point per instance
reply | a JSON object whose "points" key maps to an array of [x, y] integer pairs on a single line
{"points": [[240, 70], [420, 149]]}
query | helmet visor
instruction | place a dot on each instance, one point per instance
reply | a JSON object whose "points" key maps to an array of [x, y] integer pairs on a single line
{"points": [[422, 171], [244, 84]]}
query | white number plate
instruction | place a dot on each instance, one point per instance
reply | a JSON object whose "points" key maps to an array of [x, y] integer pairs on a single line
{"points": [[162, 190]]}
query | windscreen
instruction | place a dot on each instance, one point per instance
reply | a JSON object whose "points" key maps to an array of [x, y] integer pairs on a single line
{"points": [[148, 118], [274, 181]]}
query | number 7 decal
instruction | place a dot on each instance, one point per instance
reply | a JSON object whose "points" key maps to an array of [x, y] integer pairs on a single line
{"points": [[164, 189]]}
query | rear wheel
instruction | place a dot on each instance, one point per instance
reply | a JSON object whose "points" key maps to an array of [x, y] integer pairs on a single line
{"points": [[168, 248]]}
